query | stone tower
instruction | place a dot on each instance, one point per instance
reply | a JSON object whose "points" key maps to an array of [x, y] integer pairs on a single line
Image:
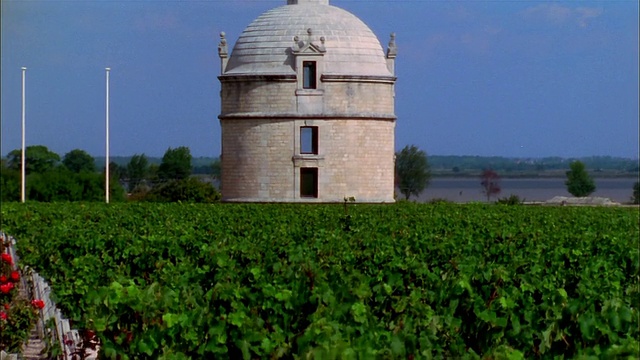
{"points": [[307, 108]]}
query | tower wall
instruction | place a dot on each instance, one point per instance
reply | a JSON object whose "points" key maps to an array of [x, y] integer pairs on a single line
{"points": [[307, 110], [261, 160]]}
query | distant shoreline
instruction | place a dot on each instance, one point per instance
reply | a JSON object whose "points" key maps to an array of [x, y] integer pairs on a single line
{"points": [[596, 175], [530, 189]]}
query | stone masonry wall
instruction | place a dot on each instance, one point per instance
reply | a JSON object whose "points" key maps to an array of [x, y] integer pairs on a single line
{"points": [[261, 122], [261, 160]]}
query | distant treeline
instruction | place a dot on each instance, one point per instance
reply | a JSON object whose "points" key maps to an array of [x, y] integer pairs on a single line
{"points": [[199, 165], [505, 165], [470, 165]]}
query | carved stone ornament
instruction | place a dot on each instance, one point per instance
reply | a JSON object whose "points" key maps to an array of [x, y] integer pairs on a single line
{"points": [[223, 50], [308, 46]]}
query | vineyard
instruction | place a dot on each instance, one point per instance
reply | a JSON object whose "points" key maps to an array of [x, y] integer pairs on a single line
{"points": [[414, 281]]}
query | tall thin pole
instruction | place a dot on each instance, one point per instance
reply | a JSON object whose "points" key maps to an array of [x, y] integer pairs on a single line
{"points": [[23, 156], [107, 142]]}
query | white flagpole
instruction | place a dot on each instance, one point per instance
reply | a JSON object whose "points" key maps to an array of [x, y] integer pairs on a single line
{"points": [[23, 163], [107, 141]]}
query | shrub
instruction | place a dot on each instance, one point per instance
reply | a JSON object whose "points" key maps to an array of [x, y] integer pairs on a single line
{"points": [[17, 315], [511, 200], [185, 190]]}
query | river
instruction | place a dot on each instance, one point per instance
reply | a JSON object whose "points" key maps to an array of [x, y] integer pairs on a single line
{"points": [[528, 189]]}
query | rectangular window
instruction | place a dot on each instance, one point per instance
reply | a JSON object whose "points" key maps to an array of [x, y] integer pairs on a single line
{"points": [[309, 140], [309, 182], [309, 75]]}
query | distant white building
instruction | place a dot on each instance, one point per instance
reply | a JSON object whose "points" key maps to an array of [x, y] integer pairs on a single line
{"points": [[307, 108]]}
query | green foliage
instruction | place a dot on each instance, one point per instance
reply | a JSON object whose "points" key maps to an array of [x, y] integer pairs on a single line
{"points": [[579, 183], [38, 159], [185, 190], [137, 170], [511, 200], [17, 315], [233, 281], [412, 171], [9, 184], [216, 169], [16, 329], [78, 161], [60, 184], [176, 164], [636, 193], [440, 201]]}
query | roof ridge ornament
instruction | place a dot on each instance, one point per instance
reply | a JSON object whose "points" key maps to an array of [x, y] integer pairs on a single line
{"points": [[309, 46]]}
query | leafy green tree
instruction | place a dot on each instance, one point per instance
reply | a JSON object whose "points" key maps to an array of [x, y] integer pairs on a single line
{"points": [[39, 159], [9, 183], [176, 164], [61, 184], [413, 172], [117, 172], [216, 169], [636, 193], [79, 161], [54, 185], [137, 170], [490, 182], [579, 183], [184, 190]]}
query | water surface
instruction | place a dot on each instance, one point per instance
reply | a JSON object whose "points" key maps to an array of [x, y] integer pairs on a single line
{"points": [[529, 189]]}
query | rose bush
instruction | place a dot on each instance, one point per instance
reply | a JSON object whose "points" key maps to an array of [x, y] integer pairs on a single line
{"points": [[17, 315]]}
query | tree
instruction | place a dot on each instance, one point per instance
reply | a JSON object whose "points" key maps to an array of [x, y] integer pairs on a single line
{"points": [[490, 182], [413, 172], [176, 164], [579, 183], [9, 183], [79, 161], [137, 169], [184, 190], [38, 159], [636, 193], [216, 169], [61, 184]]}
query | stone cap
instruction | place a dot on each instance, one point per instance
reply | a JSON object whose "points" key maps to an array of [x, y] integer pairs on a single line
{"points": [[265, 46], [296, 2]]}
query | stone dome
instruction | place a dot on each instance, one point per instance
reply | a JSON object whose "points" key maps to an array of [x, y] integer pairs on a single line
{"points": [[264, 47]]}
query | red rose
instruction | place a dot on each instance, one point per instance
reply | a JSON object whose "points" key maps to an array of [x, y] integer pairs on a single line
{"points": [[15, 276], [3, 315], [7, 258], [3, 279], [5, 288], [7, 306], [37, 303]]}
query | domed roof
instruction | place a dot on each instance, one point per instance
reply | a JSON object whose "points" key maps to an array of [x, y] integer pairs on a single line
{"points": [[264, 47]]}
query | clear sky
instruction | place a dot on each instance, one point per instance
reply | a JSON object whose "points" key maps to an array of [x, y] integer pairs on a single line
{"points": [[507, 78]]}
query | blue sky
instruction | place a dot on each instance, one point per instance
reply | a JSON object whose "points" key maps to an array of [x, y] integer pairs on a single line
{"points": [[506, 78]]}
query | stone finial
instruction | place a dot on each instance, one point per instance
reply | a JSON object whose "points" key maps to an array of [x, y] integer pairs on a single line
{"points": [[296, 2], [392, 49], [392, 52], [223, 50]]}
